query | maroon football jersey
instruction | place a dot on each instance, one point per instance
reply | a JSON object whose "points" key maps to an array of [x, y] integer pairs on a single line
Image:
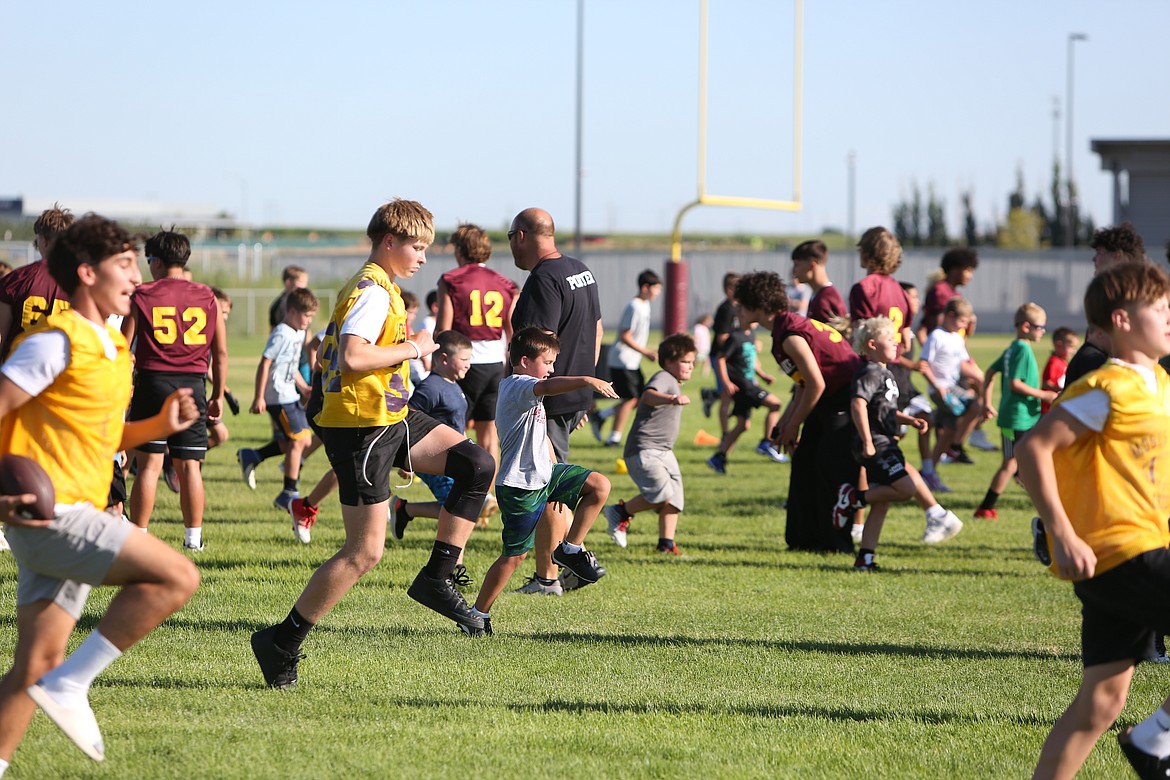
{"points": [[837, 361], [879, 295], [174, 326], [937, 298], [32, 293], [826, 304], [481, 299]]}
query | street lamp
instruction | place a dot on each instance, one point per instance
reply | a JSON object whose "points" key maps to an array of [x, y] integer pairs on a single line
{"points": [[1071, 213]]}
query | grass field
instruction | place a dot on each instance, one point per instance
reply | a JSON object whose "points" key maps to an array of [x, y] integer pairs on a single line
{"points": [[739, 659]]}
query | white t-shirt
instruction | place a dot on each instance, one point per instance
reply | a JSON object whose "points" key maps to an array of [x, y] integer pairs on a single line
{"points": [[635, 319], [525, 461], [284, 350], [945, 352]]}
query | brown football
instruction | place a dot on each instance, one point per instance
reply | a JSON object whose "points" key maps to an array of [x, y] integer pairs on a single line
{"points": [[20, 475]]}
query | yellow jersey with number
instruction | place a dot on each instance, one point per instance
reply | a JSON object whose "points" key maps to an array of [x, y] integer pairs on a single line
{"points": [[74, 426], [1115, 484], [360, 399]]}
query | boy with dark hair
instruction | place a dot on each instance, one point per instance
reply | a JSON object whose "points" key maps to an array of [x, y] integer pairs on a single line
{"points": [[1019, 403], [478, 302], [809, 266], [1096, 467], [368, 430], [529, 479], [280, 388], [63, 397], [876, 418], [956, 269], [815, 426], [737, 368], [625, 359], [439, 396], [178, 336], [726, 323], [293, 277], [1064, 345], [649, 452]]}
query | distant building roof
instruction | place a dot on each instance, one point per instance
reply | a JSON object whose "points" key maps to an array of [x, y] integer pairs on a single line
{"points": [[187, 214]]}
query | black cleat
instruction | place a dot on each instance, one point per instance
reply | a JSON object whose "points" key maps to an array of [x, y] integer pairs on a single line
{"points": [[582, 563], [478, 632], [278, 667], [441, 596]]}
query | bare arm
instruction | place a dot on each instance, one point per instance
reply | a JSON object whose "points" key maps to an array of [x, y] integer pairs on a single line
{"points": [[219, 369], [1020, 387], [652, 397], [446, 315], [1073, 558], [356, 354], [597, 342], [558, 385], [812, 389], [859, 410], [262, 371], [129, 326]]}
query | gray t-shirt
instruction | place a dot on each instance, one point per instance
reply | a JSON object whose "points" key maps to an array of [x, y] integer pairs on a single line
{"points": [[656, 427], [284, 350], [525, 461], [635, 319]]}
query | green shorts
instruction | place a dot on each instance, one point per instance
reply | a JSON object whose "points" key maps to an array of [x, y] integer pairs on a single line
{"points": [[521, 508]]}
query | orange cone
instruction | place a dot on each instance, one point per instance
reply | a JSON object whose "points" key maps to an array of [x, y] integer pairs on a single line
{"points": [[704, 439]]}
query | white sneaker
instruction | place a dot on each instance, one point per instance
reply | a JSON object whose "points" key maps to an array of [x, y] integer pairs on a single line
{"points": [[3, 542], [615, 525], [979, 441], [78, 723], [855, 532], [942, 529]]}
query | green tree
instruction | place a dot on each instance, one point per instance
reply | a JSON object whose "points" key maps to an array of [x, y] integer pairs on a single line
{"points": [[936, 221], [970, 228]]}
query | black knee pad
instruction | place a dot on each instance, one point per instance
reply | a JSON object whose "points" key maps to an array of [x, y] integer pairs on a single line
{"points": [[472, 468]]}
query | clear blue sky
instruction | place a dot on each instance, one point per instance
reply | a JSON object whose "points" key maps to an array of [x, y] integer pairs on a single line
{"points": [[314, 113]]}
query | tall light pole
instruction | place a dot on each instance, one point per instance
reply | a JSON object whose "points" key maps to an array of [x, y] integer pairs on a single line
{"points": [[580, 111], [1071, 213]]}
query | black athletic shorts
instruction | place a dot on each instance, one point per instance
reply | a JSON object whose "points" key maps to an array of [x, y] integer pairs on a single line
{"points": [[1123, 609], [363, 458], [151, 388], [118, 492], [749, 396], [627, 383], [887, 466], [481, 386]]}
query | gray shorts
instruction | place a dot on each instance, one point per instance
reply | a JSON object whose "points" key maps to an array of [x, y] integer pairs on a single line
{"points": [[62, 562], [658, 477]]}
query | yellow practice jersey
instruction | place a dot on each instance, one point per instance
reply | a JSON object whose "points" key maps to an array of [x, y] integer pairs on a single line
{"points": [[360, 399], [74, 427], [1115, 485]]}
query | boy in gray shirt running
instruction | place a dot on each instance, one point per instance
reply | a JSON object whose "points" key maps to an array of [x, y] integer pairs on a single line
{"points": [[649, 451], [528, 478]]}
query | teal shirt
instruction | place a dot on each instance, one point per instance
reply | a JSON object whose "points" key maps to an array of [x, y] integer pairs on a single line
{"points": [[1018, 412]]}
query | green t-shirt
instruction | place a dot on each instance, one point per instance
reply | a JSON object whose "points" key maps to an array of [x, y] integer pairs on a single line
{"points": [[1018, 412]]}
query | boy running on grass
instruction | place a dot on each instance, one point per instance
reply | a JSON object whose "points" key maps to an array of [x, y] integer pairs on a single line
{"points": [[368, 431], [737, 368], [877, 419], [649, 453], [1019, 403], [1065, 342], [625, 359], [529, 478], [63, 397], [1097, 467], [280, 387]]}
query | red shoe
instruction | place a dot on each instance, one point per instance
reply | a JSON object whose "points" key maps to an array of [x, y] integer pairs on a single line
{"points": [[986, 514], [670, 550], [304, 517]]}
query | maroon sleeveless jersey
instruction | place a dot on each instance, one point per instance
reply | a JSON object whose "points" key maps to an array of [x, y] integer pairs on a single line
{"points": [[481, 299], [32, 293], [879, 295], [174, 326], [837, 361]]}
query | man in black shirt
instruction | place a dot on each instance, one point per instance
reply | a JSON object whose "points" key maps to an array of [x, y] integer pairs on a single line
{"points": [[559, 297], [726, 323]]}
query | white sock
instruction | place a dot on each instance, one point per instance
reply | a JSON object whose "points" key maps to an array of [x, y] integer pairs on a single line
{"points": [[928, 465], [143, 530], [571, 549], [193, 537], [615, 438], [936, 512], [3, 767], [479, 614], [1153, 734], [69, 683]]}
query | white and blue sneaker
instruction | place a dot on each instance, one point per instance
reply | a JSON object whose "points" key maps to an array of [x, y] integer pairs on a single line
{"points": [[768, 450], [285, 498], [248, 459]]}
